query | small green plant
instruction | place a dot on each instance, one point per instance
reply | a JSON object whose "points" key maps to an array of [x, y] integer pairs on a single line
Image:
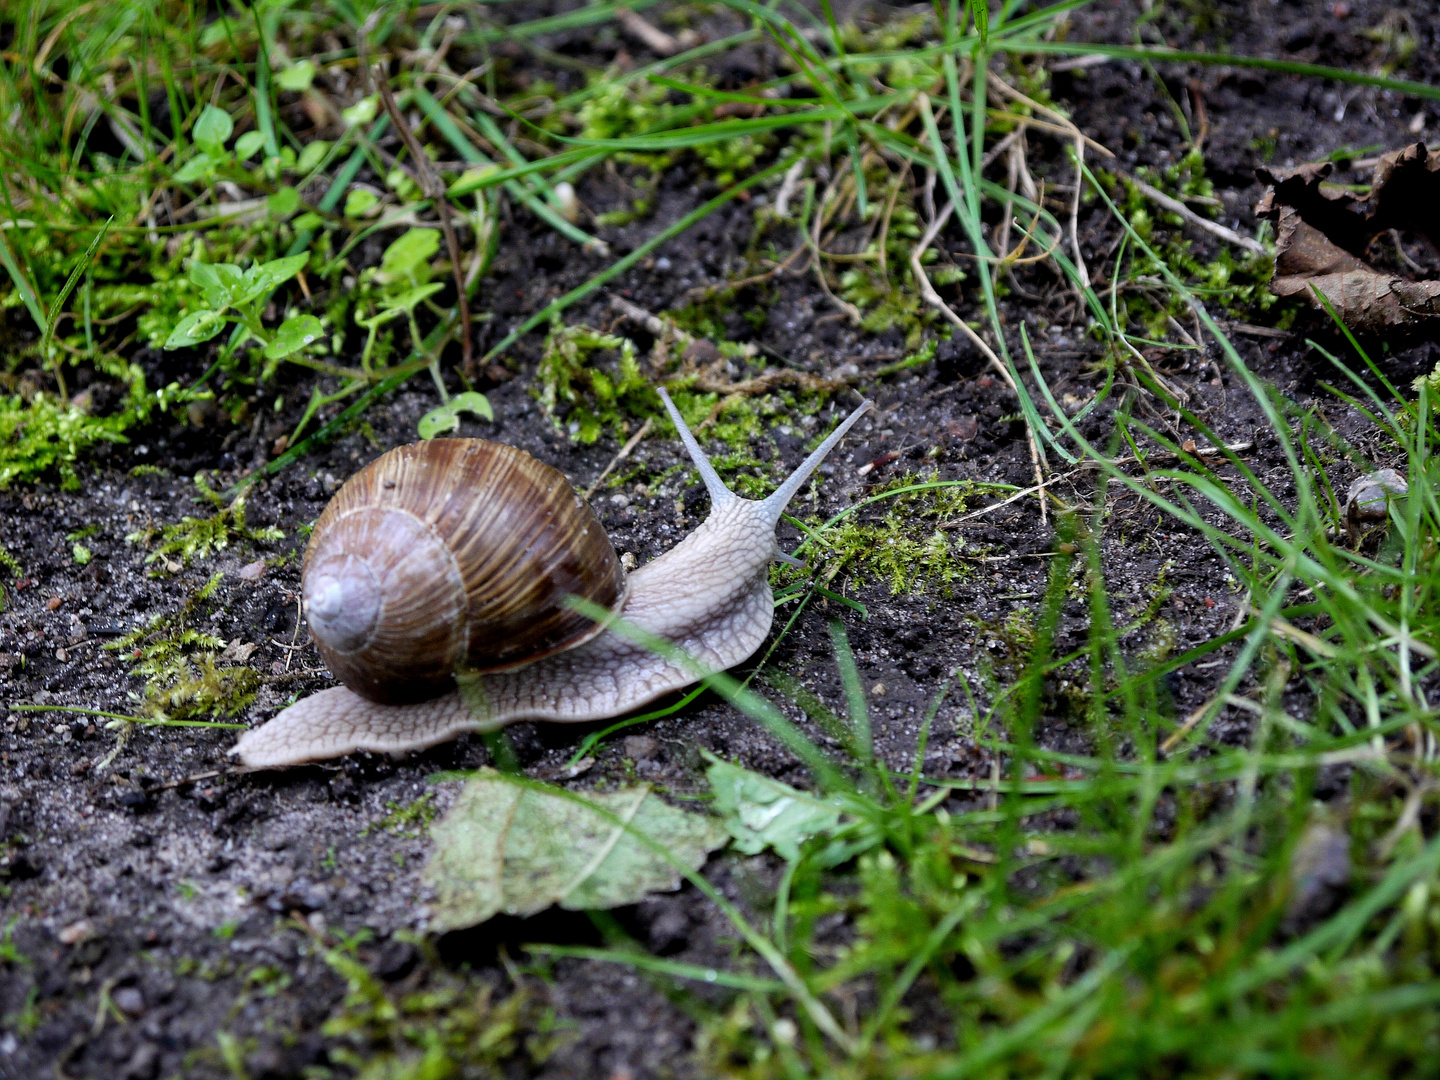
{"points": [[233, 295], [908, 548], [199, 538], [10, 565], [452, 1026], [209, 134], [1237, 286], [409, 819], [9, 954], [182, 668], [46, 436], [26, 1019]]}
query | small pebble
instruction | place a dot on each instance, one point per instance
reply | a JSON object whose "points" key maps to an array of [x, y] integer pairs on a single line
{"points": [[640, 747], [128, 1000], [76, 932], [252, 571]]}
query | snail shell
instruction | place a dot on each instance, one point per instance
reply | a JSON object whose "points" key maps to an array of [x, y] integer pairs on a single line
{"points": [[449, 554]]}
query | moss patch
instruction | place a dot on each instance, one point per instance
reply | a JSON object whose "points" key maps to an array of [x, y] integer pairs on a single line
{"points": [[44, 437], [199, 538], [908, 548], [452, 1025], [184, 677]]}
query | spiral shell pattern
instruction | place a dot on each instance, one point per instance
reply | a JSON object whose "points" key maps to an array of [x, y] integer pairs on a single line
{"points": [[449, 554]]}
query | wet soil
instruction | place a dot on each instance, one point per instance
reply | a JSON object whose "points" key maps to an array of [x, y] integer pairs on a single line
{"points": [[144, 897]]}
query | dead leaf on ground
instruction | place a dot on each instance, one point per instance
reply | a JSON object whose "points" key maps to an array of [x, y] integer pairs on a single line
{"points": [[1326, 237], [517, 848]]}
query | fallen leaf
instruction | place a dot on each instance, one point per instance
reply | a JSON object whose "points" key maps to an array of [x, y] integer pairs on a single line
{"points": [[517, 848], [760, 812], [1324, 234]]}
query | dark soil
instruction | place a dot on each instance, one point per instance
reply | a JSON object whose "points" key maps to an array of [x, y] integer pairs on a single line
{"points": [[160, 883]]}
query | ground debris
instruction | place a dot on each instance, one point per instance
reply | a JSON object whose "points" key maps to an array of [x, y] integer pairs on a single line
{"points": [[1324, 235]]}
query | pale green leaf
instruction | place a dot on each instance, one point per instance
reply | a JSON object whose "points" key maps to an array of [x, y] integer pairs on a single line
{"points": [[248, 144], [212, 129], [313, 154], [297, 77], [513, 848], [360, 202], [194, 328], [283, 204], [447, 417], [472, 401], [407, 300], [266, 277], [413, 250], [219, 282], [437, 421], [760, 812], [362, 112], [294, 334], [197, 168]]}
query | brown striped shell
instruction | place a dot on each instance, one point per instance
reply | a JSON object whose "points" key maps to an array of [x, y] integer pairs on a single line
{"points": [[452, 553]]}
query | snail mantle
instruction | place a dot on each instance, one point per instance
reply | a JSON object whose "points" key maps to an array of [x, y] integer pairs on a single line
{"points": [[459, 555]]}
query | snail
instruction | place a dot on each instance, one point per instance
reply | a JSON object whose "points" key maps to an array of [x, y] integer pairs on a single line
{"points": [[1367, 503], [435, 584]]}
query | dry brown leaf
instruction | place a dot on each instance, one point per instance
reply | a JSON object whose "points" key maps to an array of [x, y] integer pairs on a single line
{"points": [[1323, 234]]}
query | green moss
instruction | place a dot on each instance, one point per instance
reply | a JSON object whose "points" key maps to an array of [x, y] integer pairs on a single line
{"points": [[891, 300], [199, 538], [183, 678], [908, 548], [11, 565], [44, 437], [1238, 286], [450, 1025], [406, 819], [583, 396]]}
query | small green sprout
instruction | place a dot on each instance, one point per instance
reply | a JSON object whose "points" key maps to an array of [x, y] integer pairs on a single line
{"points": [[238, 296]]}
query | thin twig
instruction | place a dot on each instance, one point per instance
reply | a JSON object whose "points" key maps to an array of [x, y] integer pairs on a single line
{"points": [[1059, 118], [625, 452], [1184, 729], [433, 186], [812, 238], [650, 35], [1175, 206]]}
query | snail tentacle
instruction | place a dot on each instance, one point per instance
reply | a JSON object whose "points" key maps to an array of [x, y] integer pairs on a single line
{"points": [[719, 493]]}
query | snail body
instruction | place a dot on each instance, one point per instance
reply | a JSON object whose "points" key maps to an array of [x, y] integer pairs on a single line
{"points": [[709, 597]]}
